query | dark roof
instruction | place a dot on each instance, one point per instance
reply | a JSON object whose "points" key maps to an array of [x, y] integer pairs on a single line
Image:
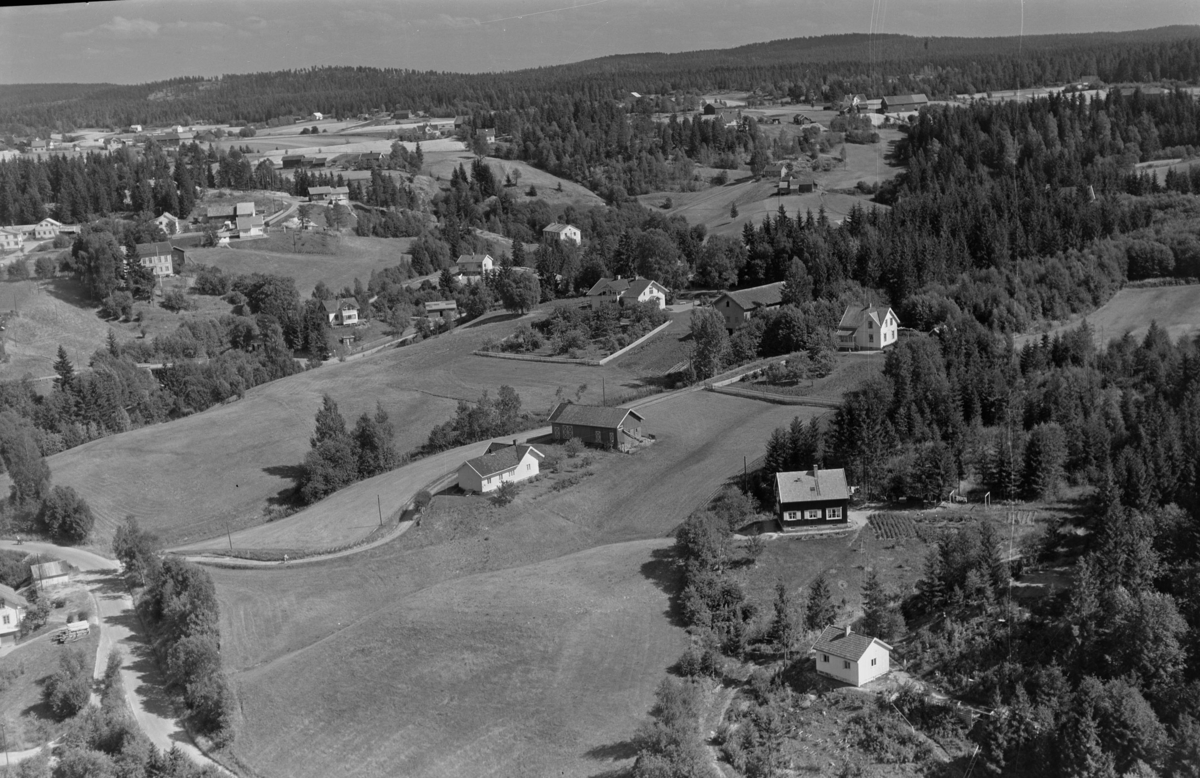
{"points": [[836, 641], [616, 285], [905, 102], [220, 211], [757, 297], [161, 249], [345, 304], [9, 596], [854, 317], [592, 415], [639, 285], [556, 227], [505, 458], [441, 305], [803, 486]]}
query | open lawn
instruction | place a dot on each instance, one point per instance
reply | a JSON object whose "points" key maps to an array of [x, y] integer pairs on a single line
{"points": [[353, 257], [528, 609], [662, 352], [26, 720], [1175, 308], [850, 371], [440, 165], [755, 199]]}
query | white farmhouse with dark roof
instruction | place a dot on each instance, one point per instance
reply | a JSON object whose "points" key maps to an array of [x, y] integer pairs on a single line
{"points": [[12, 613], [565, 233], [846, 656], [474, 264], [643, 290], [867, 327], [503, 463]]}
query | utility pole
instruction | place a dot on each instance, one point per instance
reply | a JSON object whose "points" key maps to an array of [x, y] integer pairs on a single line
{"points": [[229, 536], [379, 504]]}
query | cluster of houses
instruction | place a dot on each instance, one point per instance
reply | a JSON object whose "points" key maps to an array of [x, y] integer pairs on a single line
{"points": [[862, 327], [46, 576], [240, 220], [12, 237]]}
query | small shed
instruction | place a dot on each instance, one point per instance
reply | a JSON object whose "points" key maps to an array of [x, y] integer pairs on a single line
{"points": [[846, 656], [47, 575], [442, 309]]}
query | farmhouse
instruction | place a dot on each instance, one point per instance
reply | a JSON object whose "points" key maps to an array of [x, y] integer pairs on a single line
{"points": [[597, 425], [474, 264], [609, 288], [867, 327], [329, 194], [176, 136], [49, 574], [220, 213], [486, 135], [564, 233], [501, 464], [46, 228], [447, 310], [292, 161], [811, 497], [10, 240], [168, 223], [738, 306], [903, 103], [800, 182], [643, 290], [344, 311], [159, 257], [845, 656], [12, 613], [317, 116], [249, 223]]}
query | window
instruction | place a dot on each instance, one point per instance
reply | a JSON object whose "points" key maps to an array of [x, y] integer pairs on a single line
{"points": [[528, 468], [872, 663], [812, 514], [726, 303], [845, 664], [824, 657], [833, 513], [871, 338], [598, 438], [793, 515], [870, 325], [6, 617]]}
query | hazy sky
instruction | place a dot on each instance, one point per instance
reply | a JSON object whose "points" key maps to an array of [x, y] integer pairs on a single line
{"points": [[132, 41]]}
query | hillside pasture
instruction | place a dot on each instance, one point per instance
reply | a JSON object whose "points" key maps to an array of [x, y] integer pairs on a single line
{"points": [[353, 257], [1176, 309], [441, 164], [1159, 168]]}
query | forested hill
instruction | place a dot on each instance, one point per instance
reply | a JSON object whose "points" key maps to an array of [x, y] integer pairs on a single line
{"points": [[804, 68]]}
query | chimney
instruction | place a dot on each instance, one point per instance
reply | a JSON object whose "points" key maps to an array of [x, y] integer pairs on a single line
{"points": [[817, 484], [514, 442], [847, 632]]}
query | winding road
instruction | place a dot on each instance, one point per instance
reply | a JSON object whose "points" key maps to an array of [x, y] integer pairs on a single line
{"points": [[121, 628]]}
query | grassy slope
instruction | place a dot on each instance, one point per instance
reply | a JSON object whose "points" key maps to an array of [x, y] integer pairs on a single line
{"points": [[192, 478], [1131, 310], [478, 609], [440, 164], [355, 257], [27, 721]]}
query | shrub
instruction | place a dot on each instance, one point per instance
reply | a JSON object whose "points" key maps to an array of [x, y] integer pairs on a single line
{"points": [[176, 300], [70, 688], [573, 447], [66, 516], [422, 500], [505, 494]]}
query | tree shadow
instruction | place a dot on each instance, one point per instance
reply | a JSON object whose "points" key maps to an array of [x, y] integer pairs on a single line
{"points": [[613, 752], [497, 319], [140, 660], [664, 572], [289, 495]]}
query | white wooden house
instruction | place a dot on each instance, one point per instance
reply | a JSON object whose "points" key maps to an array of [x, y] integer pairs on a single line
{"points": [[867, 327], [643, 290], [846, 656], [565, 233], [503, 463], [12, 613]]}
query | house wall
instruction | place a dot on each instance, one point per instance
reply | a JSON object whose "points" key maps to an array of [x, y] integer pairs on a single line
{"points": [[10, 625], [868, 336], [653, 293], [735, 315], [836, 667], [57, 580], [469, 480], [882, 663], [604, 437], [801, 510]]}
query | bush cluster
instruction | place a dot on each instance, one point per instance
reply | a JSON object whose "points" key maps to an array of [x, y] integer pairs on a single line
{"points": [[572, 329]]}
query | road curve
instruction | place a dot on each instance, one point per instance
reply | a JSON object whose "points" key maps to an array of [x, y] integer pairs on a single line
{"points": [[121, 628]]}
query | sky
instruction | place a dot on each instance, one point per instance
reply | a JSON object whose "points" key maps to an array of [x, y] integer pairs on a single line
{"points": [[138, 41]]}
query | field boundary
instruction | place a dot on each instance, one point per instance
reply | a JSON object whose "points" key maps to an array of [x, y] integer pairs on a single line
{"points": [[636, 343], [535, 358], [771, 397]]}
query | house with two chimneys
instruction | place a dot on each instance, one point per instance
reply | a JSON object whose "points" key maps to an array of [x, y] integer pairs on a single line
{"points": [[867, 328], [622, 290], [502, 463], [341, 312], [564, 233]]}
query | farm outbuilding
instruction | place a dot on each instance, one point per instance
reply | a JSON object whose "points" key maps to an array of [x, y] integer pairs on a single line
{"points": [[736, 307], [49, 574], [503, 463], [441, 309], [811, 497], [846, 656], [597, 425]]}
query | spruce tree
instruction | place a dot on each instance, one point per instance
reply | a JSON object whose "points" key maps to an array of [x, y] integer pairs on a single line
{"points": [[821, 611], [65, 370], [330, 424]]}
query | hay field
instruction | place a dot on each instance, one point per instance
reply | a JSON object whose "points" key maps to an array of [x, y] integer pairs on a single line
{"points": [[1175, 308], [440, 164], [480, 638], [192, 478], [755, 199], [355, 257]]}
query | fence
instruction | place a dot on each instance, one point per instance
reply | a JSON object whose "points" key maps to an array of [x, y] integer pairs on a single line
{"points": [[771, 397]]}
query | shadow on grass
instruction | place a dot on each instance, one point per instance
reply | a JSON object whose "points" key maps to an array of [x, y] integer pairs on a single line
{"points": [[664, 572], [289, 496], [491, 320], [612, 752]]}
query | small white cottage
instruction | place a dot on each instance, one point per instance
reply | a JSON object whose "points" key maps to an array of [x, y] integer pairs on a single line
{"points": [[503, 463], [852, 658]]}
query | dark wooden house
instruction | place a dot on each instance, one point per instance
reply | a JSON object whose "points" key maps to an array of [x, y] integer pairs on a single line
{"points": [[596, 425], [811, 498]]}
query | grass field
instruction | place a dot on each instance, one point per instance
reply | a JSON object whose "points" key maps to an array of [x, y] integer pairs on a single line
{"points": [[440, 164], [1175, 308], [755, 199], [353, 257], [192, 478], [555, 599], [27, 721], [850, 371]]}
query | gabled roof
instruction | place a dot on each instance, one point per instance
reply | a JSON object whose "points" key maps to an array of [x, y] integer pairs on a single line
{"points": [[501, 460], [344, 304], [9, 597], [47, 570], [843, 644], [764, 296], [592, 415], [165, 215], [50, 221], [245, 209], [220, 211], [616, 286], [856, 316], [473, 260], [161, 249], [441, 305], [804, 486], [556, 227], [639, 285]]}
